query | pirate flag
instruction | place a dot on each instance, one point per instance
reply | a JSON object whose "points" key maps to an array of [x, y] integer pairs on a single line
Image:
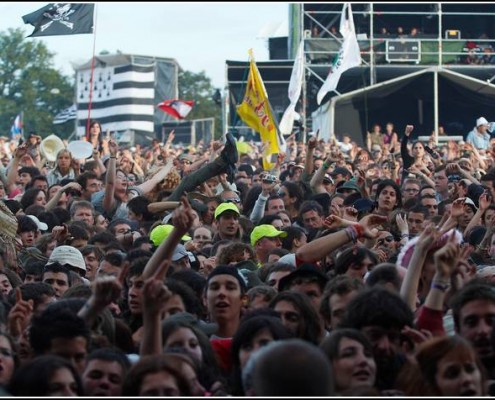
{"points": [[61, 19]]}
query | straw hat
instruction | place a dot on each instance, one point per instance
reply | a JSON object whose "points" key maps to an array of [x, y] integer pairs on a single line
{"points": [[8, 222]]}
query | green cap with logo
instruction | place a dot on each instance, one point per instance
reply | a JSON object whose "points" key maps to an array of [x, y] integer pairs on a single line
{"points": [[161, 232], [262, 231], [226, 207]]}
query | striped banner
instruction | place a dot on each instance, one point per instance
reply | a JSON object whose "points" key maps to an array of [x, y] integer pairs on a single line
{"points": [[123, 98], [66, 115]]}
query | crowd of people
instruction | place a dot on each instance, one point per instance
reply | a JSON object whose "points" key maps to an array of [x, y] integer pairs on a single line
{"points": [[180, 270]]}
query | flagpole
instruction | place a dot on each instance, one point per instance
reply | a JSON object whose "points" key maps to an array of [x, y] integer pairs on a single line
{"points": [[92, 76], [22, 124]]}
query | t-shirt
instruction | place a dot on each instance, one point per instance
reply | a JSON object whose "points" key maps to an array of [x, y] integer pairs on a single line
{"points": [[119, 210]]}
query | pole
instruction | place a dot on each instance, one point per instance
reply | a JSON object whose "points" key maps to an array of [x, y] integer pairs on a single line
{"points": [[440, 44], [372, 47], [91, 79], [435, 102], [304, 89]]}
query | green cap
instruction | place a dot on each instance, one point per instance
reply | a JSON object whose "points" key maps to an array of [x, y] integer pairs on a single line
{"points": [[161, 232], [262, 231], [226, 207]]}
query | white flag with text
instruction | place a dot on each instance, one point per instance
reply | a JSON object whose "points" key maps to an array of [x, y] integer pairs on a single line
{"points": [[349, 54]]}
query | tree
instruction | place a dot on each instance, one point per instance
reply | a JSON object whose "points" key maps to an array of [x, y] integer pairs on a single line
{"points": [[198, 87], [29, 83]]}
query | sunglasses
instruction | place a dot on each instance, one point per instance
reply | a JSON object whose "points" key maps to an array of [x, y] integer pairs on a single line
{"points": [[281, 194], [236, 201], [388, 239]]}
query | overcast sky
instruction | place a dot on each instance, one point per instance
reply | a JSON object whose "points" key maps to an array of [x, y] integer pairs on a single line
{"points": [[200, 36]]}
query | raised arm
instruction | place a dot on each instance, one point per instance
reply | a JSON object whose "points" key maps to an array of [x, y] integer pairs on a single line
{"points": [[109, 198], [182, 221], [321, 247], [316, 182], [409, 288], [148, 185], [52, 203], [407, 160], [484, 203], [14, 166], [308, 164]]}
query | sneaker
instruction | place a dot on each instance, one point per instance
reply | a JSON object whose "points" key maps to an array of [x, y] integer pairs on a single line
{"points": [[229, 154]]}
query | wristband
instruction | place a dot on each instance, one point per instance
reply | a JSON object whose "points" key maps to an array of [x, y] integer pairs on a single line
{"points": [[113, 156], [351, 233], [325, 165], [442, 286], [404, 235]]}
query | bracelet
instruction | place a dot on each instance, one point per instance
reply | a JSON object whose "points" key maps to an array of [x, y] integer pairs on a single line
{"points": [[351, 233], [404, 235], [440, 286]]}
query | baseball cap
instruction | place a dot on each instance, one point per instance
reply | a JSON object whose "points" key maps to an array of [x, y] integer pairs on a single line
{"points": [[262, 231], [186, 157], [474, 192], [341, 171], [349, 185], [179, 252], [226, 207], [208, 328], [327, 179], [481, 121], [161, 232], [67, 255], [305, 270], [41, 225], [288, 259], [363, 204], [228, 270], [471, 204]]}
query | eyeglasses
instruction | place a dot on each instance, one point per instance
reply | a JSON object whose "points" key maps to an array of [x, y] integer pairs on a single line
{"points": [[411, 190], [388, 239]]}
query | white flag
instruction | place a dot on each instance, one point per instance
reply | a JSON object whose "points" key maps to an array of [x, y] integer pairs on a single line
{"points": [[349, 54], [295, 86], [66, 115]]}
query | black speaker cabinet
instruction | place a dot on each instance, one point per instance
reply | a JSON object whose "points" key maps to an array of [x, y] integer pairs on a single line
{"points": [[403, 50]]}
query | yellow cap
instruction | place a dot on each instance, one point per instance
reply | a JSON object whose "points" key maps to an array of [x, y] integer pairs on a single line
{"points": [[161, 232], [226, 207], [262, 231]]}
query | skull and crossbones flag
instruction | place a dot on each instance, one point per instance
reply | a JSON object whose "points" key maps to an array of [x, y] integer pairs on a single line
{"points": [[61, 19]]}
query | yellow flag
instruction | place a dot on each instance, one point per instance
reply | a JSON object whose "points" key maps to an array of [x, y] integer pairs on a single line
{"points": [[256, 112]]}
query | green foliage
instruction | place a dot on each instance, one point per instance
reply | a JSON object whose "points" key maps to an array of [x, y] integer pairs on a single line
{"points": [[27, 79], [198, 87]]}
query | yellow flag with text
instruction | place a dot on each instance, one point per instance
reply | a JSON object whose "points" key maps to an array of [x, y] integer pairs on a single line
{"points": [[256, 112]]}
